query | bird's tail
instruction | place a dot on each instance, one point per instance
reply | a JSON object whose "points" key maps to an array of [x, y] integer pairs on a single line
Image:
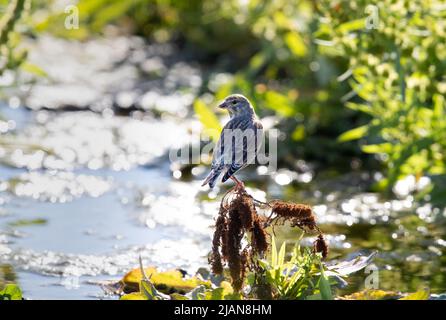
{"points": [[212, 178]]}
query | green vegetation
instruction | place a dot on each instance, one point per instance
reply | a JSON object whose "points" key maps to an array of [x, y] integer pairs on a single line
{"points": [[296, 274], [14, 25], [11, 292], [397, 72], [299, 277], [12, 55]]}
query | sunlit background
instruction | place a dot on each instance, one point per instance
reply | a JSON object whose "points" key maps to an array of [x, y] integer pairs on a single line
{"points": [[89, 114]]}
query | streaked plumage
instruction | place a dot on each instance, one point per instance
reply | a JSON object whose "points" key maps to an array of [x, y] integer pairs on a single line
{"points": [[244, 135]]}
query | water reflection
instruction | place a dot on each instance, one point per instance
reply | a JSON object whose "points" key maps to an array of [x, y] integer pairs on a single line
{"points": [[57, 186], [70, 140]]}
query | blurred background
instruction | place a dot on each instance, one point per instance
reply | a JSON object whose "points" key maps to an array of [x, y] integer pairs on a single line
{"points": [[95, 94]]}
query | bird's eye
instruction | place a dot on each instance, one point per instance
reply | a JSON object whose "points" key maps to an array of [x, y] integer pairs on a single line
{"points": [[234, 102]]}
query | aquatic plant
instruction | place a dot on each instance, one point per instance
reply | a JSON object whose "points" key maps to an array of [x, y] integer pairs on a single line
{"points": [[301, 276], [238, 216], [241, 240]]}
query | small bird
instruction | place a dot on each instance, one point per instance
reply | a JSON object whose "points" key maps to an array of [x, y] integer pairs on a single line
{"points": [[239, 141]]}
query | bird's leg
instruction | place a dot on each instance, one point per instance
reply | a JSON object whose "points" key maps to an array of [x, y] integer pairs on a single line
{"points": [[239, 184]]}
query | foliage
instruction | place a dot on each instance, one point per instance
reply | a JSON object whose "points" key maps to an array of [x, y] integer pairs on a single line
{"points": [[295, 274], [14, 24], [11, 292], [397, 71], [299, 277], [11, 55]]}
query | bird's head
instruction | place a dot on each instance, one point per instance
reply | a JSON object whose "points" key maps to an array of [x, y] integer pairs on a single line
{"points": [[237, 104]]}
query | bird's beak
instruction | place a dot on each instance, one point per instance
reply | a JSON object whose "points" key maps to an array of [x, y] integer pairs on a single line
{"points": [[222, 105]]}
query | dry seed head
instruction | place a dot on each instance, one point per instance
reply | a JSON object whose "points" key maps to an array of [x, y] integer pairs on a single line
{"points": [[320, 245]]}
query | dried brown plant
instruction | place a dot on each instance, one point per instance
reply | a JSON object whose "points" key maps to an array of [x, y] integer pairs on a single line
{"points": [[238, 217]]}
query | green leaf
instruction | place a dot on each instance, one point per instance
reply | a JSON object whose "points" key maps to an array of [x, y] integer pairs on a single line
{"points": [[11, 292], [208, 119], [257, 61], [273, 253], [281, 256], [9, 19], [33, 69], [225, 291], [324, 286], [296, 44], [298, 133], [290, 286], [438, 106], [378, 148], [354, 25], [114, 10], [359, 107], [148, 290], [280, 103], [264, 264], [419, 295], [365, 90], [354, 134], [146, 287]]}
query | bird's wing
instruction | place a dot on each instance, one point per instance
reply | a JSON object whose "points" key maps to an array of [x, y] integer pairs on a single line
{"points": [[218, 153], [217, 164], [245, 144], [259, 134]]}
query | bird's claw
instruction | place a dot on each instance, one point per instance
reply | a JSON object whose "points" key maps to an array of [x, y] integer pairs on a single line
{"points": [[240, 186]]}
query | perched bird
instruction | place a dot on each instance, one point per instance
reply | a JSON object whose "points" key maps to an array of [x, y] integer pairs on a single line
{"points": [[239, 141]]}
